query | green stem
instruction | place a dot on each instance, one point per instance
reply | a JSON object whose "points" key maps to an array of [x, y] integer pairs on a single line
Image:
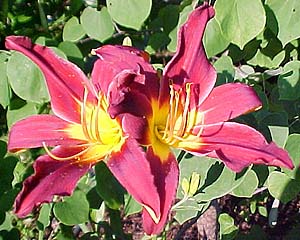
{"points": [[115, 223], [43, 17], [180, 156]]}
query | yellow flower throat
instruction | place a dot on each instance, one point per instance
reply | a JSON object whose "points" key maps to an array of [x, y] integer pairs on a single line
{"points": [[101, 134]]}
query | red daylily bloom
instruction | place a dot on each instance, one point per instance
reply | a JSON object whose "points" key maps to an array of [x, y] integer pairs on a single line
{"points": [[183, 110], [82, 134]]}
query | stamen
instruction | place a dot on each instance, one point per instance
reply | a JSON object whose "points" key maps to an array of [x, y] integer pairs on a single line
{"points": [[169, 122], [77, 155], [83, 116], [100, 96], [202, 127], [91, 125], [185, 114]]}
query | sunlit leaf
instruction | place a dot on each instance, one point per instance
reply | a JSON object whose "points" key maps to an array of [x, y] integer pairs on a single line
{"points": [[72, 210], [247, 186], [227, 228], [289, 81], [287, 14], [131, 206], [73, 30], [20, 113], [129, 13], [44, 217], [225, 70], [240, 20], [5, 91], [292, 146], [214, 40], [97, 24], [265, 61], [282, 187], [26, 79]]}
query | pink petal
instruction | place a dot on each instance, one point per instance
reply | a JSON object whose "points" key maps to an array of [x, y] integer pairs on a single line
{"points": [[166, 174], [229, 101], [115, 59], [239, 146], [127, 95], [51, 178], [33, 131], [65, 80], [136, 127], [134, 172], [190, 63]]}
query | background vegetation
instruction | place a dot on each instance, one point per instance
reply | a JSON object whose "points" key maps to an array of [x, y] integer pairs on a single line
{"points": [[255, 42]]}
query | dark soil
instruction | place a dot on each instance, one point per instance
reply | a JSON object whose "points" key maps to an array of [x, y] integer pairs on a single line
{"points": [[288, 219]]}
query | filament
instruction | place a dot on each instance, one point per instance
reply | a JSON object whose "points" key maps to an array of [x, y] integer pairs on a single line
{"points": [[180, 121], [83, 115], [77, 155]]}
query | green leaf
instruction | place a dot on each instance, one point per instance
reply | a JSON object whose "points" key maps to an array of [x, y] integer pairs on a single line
{"points": [[156, 41], [131, 206], [288, 81], [263, 211], [227, 228], [282, 187], [5, 91], [73, 31], [13, 234], [43, 220], [20, 113], [98, 215], [97, 24], [225, 70], [188, 210], [287, 15], [108, 187], [26, 79], [263, 60], [168, 18], [292, 146], [65, 233], [240, 20], [73, 210], [190, 164], [279, 134], [214, 40], [3, 149], [247, 186], [219, 181], [7, 199], [94, 198], [182, 19], [73, 53], [252, 206], [129, 13], [7, 166]]}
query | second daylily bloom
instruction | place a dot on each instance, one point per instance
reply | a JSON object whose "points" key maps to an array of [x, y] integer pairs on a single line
{"points": [[82, 134], [183, 110]]}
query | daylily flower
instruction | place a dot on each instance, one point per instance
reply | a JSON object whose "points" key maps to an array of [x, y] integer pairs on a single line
{"points": [[182, 109], [81, 133]]}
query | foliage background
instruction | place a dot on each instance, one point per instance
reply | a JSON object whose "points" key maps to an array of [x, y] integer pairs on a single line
{"points": [[255, 42]]}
